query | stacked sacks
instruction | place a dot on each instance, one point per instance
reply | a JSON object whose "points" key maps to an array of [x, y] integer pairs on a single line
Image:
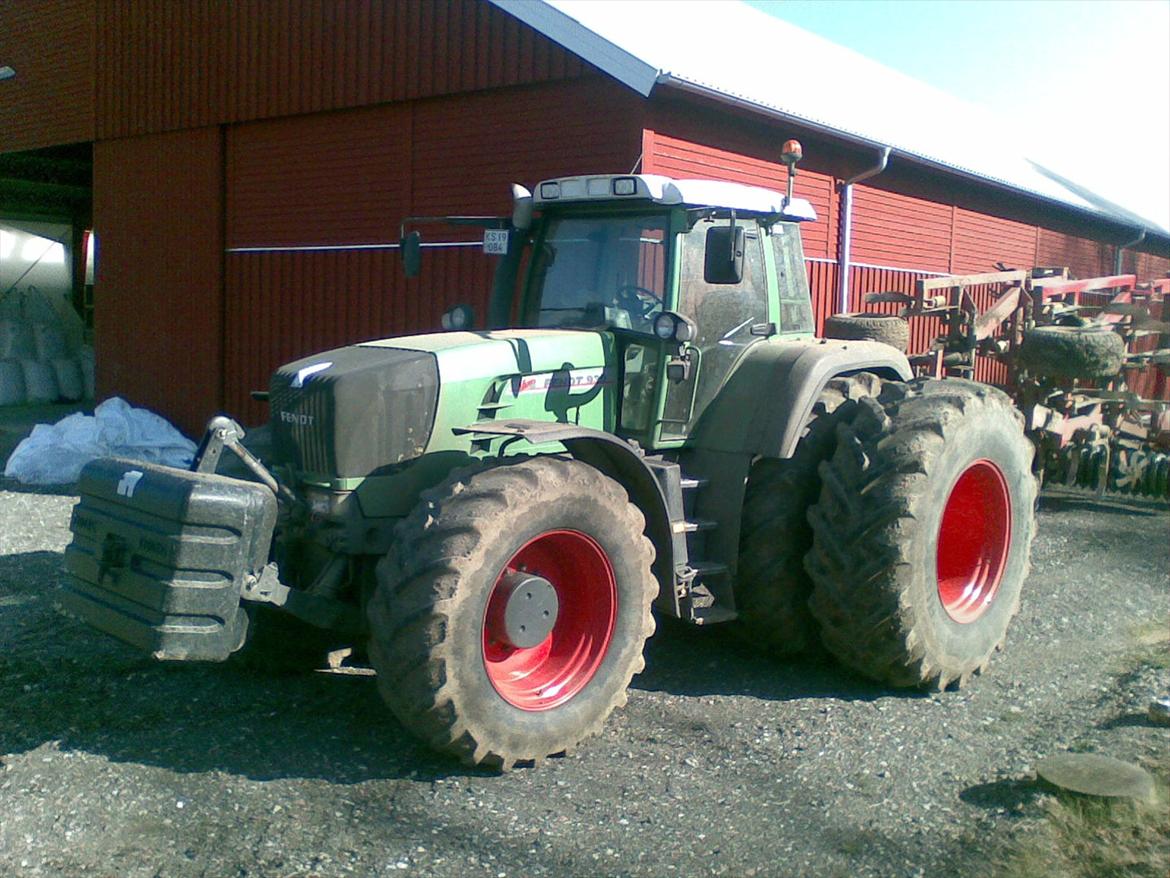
{"points": [[36, 365]]}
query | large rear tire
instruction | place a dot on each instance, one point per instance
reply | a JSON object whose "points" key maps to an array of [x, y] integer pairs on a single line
{"points": [[461, 656], [772, 587], [922, 533]]}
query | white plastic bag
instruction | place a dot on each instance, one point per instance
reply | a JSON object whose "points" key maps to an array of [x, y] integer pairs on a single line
{"points": [[16, 339], [49, 342], [54, 454]]}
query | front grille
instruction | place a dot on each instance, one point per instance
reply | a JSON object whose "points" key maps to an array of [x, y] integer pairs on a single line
{"points": [[371, 408]]}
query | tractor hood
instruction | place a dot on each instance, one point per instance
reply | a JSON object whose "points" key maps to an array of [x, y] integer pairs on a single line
{"points": [[466, 355], [561, 375], [353, 412]]}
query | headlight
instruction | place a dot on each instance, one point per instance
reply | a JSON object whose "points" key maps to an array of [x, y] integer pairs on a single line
{"points": [[670, 326]]}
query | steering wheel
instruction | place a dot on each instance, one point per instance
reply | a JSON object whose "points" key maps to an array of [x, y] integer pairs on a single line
{"points": [[638, 300]]}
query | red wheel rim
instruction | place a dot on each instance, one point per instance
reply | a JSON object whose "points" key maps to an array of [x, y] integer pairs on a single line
{"points": [[973, 541], [552, 672]]}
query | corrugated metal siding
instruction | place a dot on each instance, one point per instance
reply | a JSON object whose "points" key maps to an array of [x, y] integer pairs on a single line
{"points": [[327, 178], [1086, 258], [349, 177], [50, 101], [822, 285], [864, 280], [980, 241], [158, 324], [1146, 266], [168, 64], [900, 231], [923, 330]]}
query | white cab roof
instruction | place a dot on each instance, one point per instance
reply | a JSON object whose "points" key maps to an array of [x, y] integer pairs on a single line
{"points": [[668, 191]]}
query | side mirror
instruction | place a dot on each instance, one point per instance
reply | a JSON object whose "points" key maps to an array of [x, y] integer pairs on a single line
{"points": [[411, 246], [458, 318], [521, 208], [723, 259]]}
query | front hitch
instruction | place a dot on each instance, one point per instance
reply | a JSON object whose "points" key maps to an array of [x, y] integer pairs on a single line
{"points": [[222, 432]]}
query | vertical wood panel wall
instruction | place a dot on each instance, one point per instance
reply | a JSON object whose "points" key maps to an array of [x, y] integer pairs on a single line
{"points": [[170, 64], [160, 325], [50, 101]]}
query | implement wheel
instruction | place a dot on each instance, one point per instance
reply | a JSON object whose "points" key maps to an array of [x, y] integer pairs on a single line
{"points": [[772, 587], [1072, 352], [887, 328], [922, 533], [508, 620]]}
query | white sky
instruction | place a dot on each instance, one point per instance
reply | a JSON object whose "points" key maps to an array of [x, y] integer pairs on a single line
{"points": [[1086, 81]]}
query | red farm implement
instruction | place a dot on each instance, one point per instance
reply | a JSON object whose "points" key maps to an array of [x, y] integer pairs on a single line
{"points": [[1085, 360]]}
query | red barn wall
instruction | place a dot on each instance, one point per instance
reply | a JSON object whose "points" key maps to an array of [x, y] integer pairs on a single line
{"points": [[50, 45], [337, 120], [348, 178], [262, 125], [160, 324], [189, 63]]}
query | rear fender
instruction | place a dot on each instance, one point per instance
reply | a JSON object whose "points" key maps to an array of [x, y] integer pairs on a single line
{"points": [[763, 405]]}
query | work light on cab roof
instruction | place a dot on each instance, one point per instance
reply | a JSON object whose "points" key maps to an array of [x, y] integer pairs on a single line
{"points": [[790, 154]]}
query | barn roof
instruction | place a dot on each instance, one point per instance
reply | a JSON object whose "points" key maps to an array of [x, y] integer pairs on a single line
{"points": [[739, 55]]}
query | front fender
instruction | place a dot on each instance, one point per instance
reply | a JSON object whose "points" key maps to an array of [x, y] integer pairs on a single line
{"points": [[616, 458]]}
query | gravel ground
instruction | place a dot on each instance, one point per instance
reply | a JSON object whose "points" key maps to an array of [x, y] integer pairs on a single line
{"points": [[722, 763]]}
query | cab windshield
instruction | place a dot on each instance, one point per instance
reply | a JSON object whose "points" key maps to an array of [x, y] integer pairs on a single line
{"points": [[595, 272]]}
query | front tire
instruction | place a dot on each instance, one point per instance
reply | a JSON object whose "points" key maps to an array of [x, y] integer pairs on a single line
{"points": [[922, 534], [452, 634]]}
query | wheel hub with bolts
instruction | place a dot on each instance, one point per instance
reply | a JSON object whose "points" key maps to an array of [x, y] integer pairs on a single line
{"points": [[529, 603]]}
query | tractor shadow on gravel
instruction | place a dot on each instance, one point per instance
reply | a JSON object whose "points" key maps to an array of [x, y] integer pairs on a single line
{"points": [[689, 661], [1009, 794], [71, 688]]}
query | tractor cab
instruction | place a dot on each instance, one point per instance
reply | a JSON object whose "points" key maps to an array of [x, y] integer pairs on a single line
{"points": [[685, 274]]}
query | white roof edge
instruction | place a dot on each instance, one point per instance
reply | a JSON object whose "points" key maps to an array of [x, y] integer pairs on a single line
{"points": [[555, 20], [628, 69], [1113, 213]]}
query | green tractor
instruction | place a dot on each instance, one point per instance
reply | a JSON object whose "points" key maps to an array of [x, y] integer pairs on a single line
{"points": [[649, 422]]}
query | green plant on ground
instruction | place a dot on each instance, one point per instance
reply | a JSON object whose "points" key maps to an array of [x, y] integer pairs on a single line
{"points": [[1092, 838]]}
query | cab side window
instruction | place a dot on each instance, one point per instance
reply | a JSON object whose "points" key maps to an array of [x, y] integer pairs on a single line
{"points": [[796, 314]]}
